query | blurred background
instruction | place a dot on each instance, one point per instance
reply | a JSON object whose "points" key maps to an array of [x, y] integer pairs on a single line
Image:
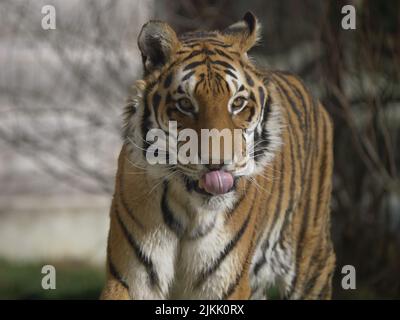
{"points": [[61, 97]]}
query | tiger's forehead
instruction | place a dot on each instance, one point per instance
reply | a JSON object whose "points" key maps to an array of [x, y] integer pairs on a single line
{"points": [[207, 45], [208, 65], [190, 39]]}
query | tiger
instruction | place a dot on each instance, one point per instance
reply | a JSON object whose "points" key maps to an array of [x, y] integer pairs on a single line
{"points": [[229, 230]]}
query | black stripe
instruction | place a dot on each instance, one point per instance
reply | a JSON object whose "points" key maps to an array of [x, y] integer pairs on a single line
{"points": [[310, 284], [182, 51], [317, 250], [301, 127], [323, 294], [228, 248], [197, 40], [252, 97], [307, 141], [216, 41], [196, 43], [146, 261], [289, 209], [169, 99], [266, 243], [125, 204], [202, 78], [191, 45], [298, 114], [241, 88], [264, 136], [168, 80], [252, 112], [303, 124], [116, 275], [286, 94], [235, 53], [239, 276], [262, 95], [192, 185], [196, 53], [292, 86], [220, 45], [222, 63], [323, 165], [234, 285], [310, 164], [131, 108], [227, 71], [224, 54], [157, 80], [156, 102], [168, 216], [228, 89], [231, 212], [249, 80], [188, 75], [319, 260], [180, 90], [219, 80], [288, 98], [194, 65]]}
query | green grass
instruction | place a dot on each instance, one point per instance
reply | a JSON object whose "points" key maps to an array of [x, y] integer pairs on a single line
{"points": [[73, 281]]}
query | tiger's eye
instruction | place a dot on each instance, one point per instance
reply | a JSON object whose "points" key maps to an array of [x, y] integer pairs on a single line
{"points": [[185, 104], [238, 103]]}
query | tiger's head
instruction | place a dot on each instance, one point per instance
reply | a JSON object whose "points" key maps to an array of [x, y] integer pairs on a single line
{"points": [[203, 80]]}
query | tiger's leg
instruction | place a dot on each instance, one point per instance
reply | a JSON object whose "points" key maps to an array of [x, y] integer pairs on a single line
{"points": [[314, 279], [130, 273], [242, 290], [315, 258], [114, 289]]}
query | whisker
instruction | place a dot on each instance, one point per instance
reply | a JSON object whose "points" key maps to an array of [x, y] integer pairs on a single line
{"points": [[166, 151], [258, 187], [140, 148], [260, 141], [185, 169], [135, 165], [162, 180], [259, 149], [135, 173], [266, 177]]}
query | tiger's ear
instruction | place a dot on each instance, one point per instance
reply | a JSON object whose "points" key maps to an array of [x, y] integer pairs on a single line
{"points": [[157, 42], [246, 32]]}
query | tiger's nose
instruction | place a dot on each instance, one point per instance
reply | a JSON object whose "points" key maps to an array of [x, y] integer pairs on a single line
{"points": [[213, 167]]}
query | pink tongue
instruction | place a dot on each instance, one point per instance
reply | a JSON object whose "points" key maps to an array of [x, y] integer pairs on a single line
{"points": [[216, 182]]}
